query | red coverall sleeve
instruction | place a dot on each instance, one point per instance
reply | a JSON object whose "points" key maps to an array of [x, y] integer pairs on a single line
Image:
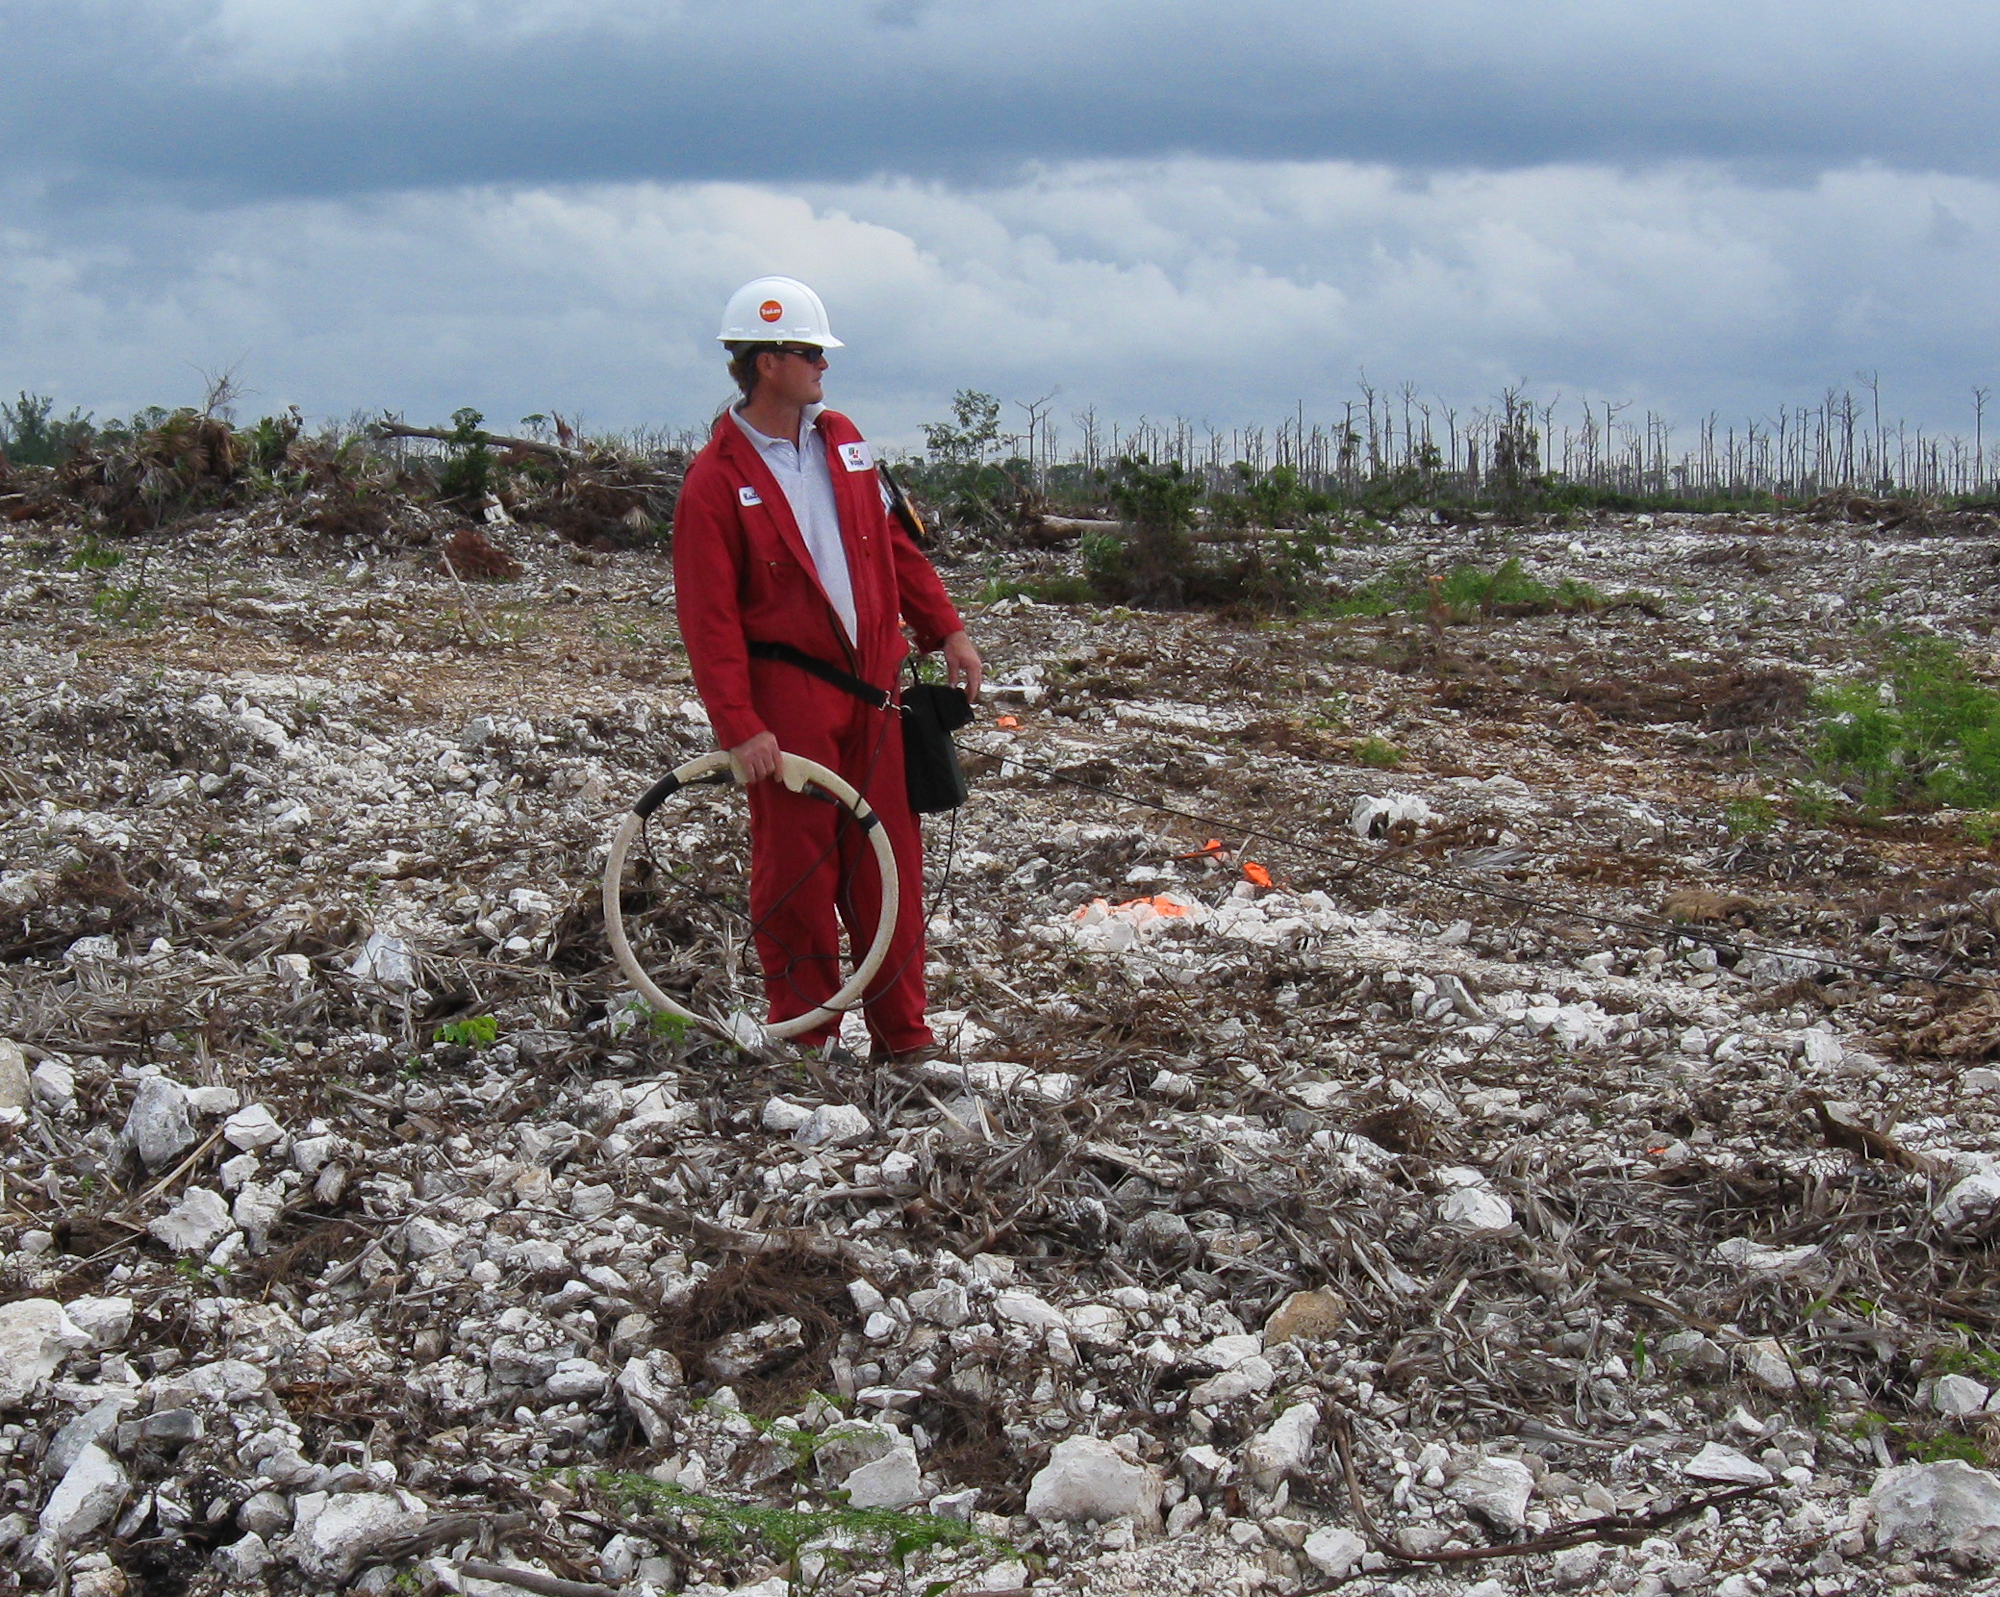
{"points": [[708, 576], [919, 594]]}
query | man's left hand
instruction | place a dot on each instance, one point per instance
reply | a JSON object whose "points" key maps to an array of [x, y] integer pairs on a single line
{"points": [[962, 665]]}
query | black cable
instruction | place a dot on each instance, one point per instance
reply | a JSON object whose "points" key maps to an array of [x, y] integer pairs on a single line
{"points": [[1299, 845]]}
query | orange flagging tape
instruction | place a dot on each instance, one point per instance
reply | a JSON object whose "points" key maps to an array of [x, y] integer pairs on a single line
{"points": [[1256, 875], [1212, 847], [1161, 906]]}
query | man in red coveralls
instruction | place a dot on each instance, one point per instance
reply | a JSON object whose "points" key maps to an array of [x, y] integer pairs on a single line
{"points": [[782, 538]]}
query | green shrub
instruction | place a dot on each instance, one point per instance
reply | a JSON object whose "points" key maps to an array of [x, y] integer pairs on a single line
{"points": [[1927, 728], [468, 474], [1746, 817], [847, 1538], [31, 434], [474, 1031], [1150, 560]]}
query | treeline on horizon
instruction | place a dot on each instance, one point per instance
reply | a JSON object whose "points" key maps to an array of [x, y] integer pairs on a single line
{"points": [[1387, 451]]}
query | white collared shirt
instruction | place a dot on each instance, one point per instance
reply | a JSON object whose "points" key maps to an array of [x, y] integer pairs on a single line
{"points": [[800, 465]]}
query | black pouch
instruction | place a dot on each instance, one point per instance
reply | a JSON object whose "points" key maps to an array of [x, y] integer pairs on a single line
{"points": [[931, 713]]}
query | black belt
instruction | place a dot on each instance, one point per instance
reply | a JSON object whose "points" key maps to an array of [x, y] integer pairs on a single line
{"points": [[870, 695]]}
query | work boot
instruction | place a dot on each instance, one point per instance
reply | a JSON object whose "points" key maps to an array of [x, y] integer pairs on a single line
{"points": [[904, 1058]]}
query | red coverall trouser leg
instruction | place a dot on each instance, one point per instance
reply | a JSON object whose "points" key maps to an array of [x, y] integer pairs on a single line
{"points": [[808, 858]]}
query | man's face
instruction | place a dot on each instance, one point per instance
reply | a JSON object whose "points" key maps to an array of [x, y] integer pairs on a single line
{"points": [[792, 378]]}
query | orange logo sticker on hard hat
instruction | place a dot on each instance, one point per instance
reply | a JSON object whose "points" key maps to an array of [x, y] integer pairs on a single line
{"points": [[770, 310]]}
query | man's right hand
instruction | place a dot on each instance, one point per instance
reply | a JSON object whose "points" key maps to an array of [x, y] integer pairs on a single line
{"points": [[757, 760]]}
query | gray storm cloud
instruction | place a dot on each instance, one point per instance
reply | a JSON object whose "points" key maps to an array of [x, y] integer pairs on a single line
{"points": [[277, 97]]}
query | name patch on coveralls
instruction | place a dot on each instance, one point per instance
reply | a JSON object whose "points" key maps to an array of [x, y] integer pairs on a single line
{"points": [[855, 457], [748, 496]]}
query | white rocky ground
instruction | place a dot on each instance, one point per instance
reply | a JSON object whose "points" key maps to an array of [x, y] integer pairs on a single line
{"points": [[1404, 1159]]}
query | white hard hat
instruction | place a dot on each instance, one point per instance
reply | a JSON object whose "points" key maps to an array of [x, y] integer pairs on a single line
{"points": [[769, 310]]}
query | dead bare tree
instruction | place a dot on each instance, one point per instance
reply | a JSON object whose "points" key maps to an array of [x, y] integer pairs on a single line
{"points": [[1036, 409]]}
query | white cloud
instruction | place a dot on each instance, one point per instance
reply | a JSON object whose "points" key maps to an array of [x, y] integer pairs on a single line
{"points": [[1221, 290]]}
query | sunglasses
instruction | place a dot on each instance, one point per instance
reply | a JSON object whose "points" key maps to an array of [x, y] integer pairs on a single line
{"points": [[811, 356]]}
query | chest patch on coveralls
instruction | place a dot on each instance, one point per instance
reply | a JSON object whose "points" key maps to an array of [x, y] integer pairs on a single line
{"points": [[855, 457], [748, 496]]}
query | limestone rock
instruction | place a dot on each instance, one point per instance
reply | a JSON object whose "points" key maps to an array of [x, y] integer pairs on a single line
{"points": [[35, 1335], [338, 1530], [1575, 1567], [896, 1480], [53, 1086], [1959, 1394], [1226, 1352], [577, 1378], [945, 1304], [158, 1127], [1253, 1376], [1765, 1363], [1024, 1308], [214, 1100], [264, 1513], [1718, 1463], [1476, 1209], [1283, 1448], [1947, 1507], [16, 1092], [252, 1128], [105, 1321], [647, 1383], [1335, 1551], [88, 1429], [90, 1492], [1497, 1490], [1970, 1199], [742, 1353], [1087, 1479], [783, 1116], [846, 1445], [196, 1223], [834, 1125], [244, 1559]]}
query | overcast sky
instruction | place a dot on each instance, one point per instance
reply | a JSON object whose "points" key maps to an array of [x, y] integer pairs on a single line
{"points": [[1156, 208]]}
